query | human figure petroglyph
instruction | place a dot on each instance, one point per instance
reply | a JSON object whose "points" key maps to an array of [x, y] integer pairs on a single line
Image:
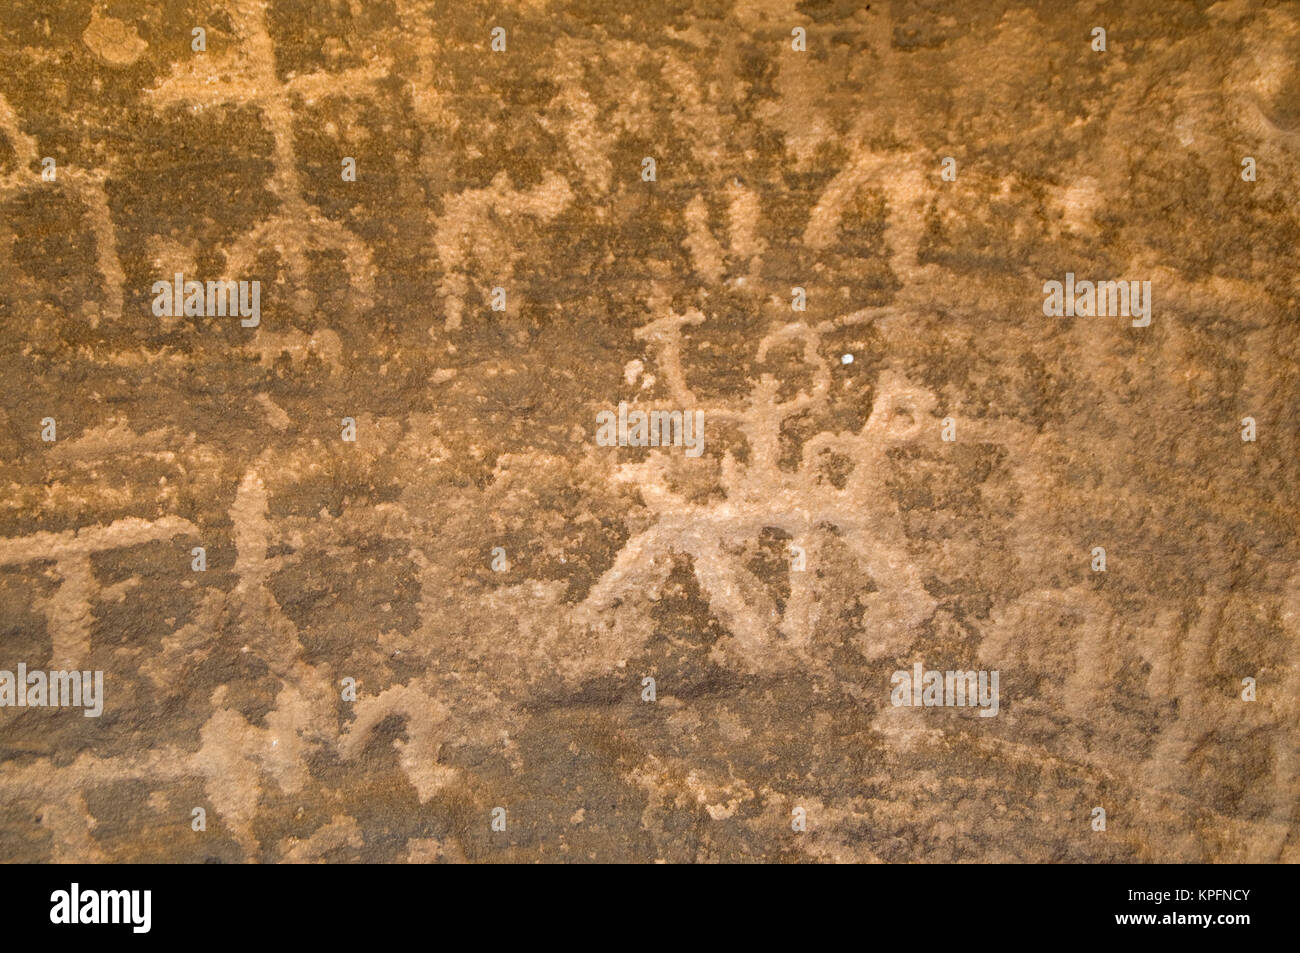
{"points": [[247, 75], [759, 494]]}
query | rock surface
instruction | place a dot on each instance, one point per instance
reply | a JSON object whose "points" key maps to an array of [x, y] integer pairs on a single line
{"points": [[498, 584]]}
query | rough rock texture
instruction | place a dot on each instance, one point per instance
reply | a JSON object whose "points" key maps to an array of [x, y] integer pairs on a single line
{"points": [[521, 686]]}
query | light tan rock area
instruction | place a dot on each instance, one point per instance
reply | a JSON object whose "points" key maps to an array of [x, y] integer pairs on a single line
{"points": [[967, 334]]}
